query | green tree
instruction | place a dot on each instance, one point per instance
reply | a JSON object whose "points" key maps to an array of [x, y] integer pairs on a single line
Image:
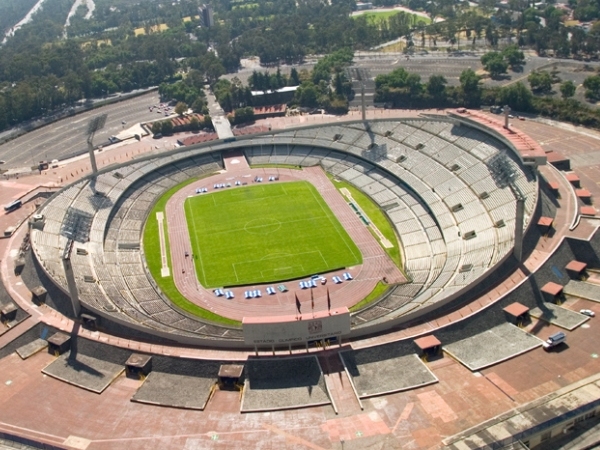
{"points": [[194, 123], [307, 95], [243, 115], [592, 87], [167, 127], [436, 86], [517, 96], [567, 89], [471, 90], [294, 77], [181, 108], [513, 56], [494, 63], [540, 81], [156, 127]]}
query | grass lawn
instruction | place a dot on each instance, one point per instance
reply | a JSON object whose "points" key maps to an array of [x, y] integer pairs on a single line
{"points": [[153, 258], [378, 291], [376, 216], [374, 17], [265, 233]]}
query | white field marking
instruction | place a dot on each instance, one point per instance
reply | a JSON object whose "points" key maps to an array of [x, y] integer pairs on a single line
{"points": [[197, 246], [164, 270]]}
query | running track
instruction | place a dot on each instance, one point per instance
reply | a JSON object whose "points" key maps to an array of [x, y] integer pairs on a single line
{"points": [[376, 263]]}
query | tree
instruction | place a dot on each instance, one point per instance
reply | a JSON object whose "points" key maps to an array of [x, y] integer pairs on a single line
{"points": [[540, 81], [436, 86], [181, 108], [513, 56], [469, 83], [156, 127], [494, 63], [167, 127], [517, 96], [294, 78], [307, 95], [194, 123], [243, 115], [567, 89], [592, 87]]}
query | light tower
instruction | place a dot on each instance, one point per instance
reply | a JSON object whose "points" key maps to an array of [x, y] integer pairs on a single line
{"points": [[70, 277], [96, 124], [504, 174]]}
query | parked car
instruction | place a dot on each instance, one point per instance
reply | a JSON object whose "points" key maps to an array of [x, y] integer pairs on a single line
{"points": [[587, 312]]}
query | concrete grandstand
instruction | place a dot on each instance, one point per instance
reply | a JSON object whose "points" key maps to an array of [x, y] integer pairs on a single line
{"points": [[431, 176]]}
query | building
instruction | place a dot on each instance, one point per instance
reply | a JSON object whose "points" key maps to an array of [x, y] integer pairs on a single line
{"points": [[206, 16]]}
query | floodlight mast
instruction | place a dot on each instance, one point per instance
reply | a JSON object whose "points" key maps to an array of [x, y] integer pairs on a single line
{"points": [[96, 124], [500, 165], [70, 277]]}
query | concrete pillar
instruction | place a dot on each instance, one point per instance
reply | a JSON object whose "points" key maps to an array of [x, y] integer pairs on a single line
{"points": [[506, 113], [363, 104], [92, 158], [70, 276], [519, 221]]}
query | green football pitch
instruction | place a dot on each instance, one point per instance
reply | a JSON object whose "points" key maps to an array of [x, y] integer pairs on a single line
{"points": [[265, 233]]}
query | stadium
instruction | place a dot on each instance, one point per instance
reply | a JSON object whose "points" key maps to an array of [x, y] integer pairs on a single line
{"points": [[155, 259], [400, 165]]}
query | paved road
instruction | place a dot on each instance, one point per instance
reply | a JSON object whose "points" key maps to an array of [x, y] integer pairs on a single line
{"points": [[67, 137], [218, 116]]}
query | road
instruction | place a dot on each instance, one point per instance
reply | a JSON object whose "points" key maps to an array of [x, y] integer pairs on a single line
{"points": [[67, 137]]}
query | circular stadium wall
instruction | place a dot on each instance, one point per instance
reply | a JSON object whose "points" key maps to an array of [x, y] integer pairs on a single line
{"points": [[447, 188]]}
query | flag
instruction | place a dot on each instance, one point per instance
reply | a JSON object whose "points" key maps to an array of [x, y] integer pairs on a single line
{"points": [[328, 301], [312, 300], [298, 304]]}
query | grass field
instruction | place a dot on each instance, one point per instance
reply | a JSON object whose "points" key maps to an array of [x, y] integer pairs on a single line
{"points": [[265, 233], [373, 17]]}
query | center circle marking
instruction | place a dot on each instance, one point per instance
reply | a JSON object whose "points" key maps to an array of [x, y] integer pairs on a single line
{"points": [[262, 226]]}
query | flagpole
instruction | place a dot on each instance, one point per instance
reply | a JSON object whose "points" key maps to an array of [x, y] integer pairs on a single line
{"points": [[298, 310]]}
